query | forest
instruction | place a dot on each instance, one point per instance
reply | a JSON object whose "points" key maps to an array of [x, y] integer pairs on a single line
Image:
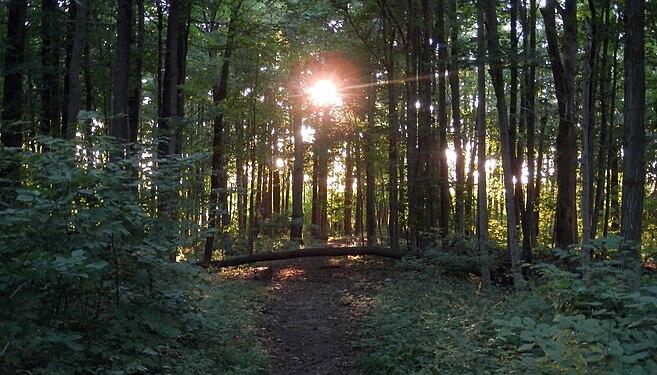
{"points": [[328, 187]]}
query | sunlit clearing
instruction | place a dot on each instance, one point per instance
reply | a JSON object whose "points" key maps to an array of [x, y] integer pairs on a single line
{"points": [[280, 163], [325, 93]]}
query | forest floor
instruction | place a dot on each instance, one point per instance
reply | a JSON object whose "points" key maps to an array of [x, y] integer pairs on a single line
{"points": [[314, 309]]}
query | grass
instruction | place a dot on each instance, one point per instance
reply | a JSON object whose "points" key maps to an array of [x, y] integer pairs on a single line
{"points": [[424, 322]]}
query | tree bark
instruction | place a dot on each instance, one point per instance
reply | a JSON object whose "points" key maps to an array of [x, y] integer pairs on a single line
{"points": [[74, 67], [348, 189], [634, 141], [12, 100], [219, 215], [50, 67], [414, 204], [296, 225], [563, 72], [370, 210], [497, 78], [443, 169], [587, 128], [135, 85], [454, 84], [310, 252], [482, 198], [120, 126]]}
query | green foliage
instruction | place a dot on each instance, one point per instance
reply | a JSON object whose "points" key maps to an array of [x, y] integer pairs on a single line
{"points": [[86, 284], [426, 323]]}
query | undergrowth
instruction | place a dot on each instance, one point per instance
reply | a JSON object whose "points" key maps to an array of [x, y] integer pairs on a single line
{"points": [[425, 322], [87, 284]]}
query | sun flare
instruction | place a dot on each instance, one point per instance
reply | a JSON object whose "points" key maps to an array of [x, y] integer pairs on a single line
{"points": [[325, 93]]}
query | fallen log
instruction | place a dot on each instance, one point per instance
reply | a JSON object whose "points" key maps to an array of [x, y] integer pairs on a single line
{"points": [[310, 252]]}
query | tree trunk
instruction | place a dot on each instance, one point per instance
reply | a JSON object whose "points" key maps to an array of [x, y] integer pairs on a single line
{"points": [[120, 124], [482, 199], [443, 169], [12, 99], [75, 64], [529, 115], [456, 121], [219, 215], [348, 189], [50, 67], [414, 204], [137, 61], [296, 225], [497, 78], [310, 252], [634, 141], [393, 130], [587, 128], [322, 146], [563, 72], [370, 211]]}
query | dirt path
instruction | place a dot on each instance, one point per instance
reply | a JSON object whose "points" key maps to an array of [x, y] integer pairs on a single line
{"points": [[314, 311]]}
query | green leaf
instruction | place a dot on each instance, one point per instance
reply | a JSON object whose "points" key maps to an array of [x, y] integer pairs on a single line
{"points": [[526, 347]]}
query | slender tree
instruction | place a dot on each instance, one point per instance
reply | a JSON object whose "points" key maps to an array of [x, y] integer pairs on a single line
{"points": [[219, 215], [482, 198], [563, 72], [634, 141], [497, 78], [120, 126]]}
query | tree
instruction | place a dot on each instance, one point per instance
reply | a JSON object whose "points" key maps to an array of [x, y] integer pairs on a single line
{"points": [[634, 168], [296, 224], [219, 216], [120, 126], [482, 198], [497, 77], [11, 133], [563, 72]]}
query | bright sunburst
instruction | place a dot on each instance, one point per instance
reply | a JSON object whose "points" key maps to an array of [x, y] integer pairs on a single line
{"points": [[325, 93]]}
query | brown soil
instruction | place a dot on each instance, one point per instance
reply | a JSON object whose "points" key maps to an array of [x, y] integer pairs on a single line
{"points": [[313, 312]]}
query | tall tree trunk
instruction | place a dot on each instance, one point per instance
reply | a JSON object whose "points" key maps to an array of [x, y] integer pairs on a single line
{"points": [[634, 141], [393, 129], [563, 72], [219, 215], [370, 208], [529, 114], [358, 226], [120, 126], [12, 100], [168, 123], [414, 204], [137, 60], [296, 224], [348, 189], [587, 128], [443, 169], [75, 65], [322, 142], [456, 121], [11, 129], [497, 78], [482, 198], [50, 67], [606, 116]]}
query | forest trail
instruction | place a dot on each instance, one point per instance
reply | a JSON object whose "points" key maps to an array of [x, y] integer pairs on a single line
{"points": [[313, 312]]}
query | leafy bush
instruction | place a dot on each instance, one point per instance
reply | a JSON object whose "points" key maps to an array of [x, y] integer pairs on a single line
{"points": [[86, 284], [425, 323]]}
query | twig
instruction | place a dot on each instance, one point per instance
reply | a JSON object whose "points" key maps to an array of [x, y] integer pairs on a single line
{"points": [[5, 348], [19, 288]]}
